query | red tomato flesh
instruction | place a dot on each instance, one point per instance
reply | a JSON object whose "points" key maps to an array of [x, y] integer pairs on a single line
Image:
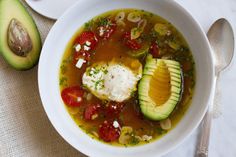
{"points": [[154, 50], [72, 96], [108, 132], [88, 41], [132, 44], [87, 36], [114, 109], [92, 111]]}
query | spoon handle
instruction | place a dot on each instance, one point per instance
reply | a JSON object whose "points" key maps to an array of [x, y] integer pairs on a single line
{"points": [[202, 150], [205, 128]]}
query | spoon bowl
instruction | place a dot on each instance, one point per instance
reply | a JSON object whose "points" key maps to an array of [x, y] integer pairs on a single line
{"points": [[221, 39]]}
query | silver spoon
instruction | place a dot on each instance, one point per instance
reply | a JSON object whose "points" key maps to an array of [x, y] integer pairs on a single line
{"points": [[221, 38]]}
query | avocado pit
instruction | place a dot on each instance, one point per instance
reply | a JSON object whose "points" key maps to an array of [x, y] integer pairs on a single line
{"points": [[19, 40]]}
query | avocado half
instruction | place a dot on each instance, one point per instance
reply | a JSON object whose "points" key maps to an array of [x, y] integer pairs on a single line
{"points": [[20, 42], [160, 88]]}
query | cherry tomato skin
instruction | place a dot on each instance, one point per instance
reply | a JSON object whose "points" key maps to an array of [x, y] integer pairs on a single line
{"points": [[87, 36], [108, 132], [114, 109], [132, 44], [154, 50], [72, 96], [92, 111]]}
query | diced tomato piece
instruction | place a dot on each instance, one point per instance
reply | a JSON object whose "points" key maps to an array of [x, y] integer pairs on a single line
{"points": [[92, 111], [72, 96], [106, 29], [89, 37], [132, 44], [109, 131], [114, 108], [86, 42], [154, 50]]}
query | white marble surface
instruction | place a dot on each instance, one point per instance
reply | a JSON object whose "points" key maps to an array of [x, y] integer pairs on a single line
{"points": [[223, 137]]}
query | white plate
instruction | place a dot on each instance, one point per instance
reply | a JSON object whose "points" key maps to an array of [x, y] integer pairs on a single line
{"points": [[53, 50], [52, 9]]}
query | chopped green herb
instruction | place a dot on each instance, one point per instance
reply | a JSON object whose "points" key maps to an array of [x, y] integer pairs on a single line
{"points": [[89, 25], [104, 22], [62, 81], [153, 34], [99, 84], [133, 93], [183, 49], [68, 60], [81, 126], [105, 71], [161, 131], [63, 69], [134, 140]]}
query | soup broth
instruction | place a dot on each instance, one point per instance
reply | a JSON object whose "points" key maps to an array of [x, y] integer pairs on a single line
{"points": [[126, 37]]}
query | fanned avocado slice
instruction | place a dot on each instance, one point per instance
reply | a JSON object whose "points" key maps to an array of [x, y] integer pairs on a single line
{"points": [[160, 88], [20, 42]]}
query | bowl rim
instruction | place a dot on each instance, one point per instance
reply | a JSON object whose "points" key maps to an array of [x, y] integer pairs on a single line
{"points": [[175, 143]]}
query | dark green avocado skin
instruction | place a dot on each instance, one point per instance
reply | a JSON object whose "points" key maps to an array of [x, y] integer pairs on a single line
{"points": [[13, 9]]}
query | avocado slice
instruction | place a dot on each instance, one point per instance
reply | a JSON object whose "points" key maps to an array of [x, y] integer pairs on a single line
{"points": [[160, 88], [20, 42]]}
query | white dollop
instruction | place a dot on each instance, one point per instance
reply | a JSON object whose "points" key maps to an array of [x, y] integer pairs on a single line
{"points": [[113, 82], [119, 82]]}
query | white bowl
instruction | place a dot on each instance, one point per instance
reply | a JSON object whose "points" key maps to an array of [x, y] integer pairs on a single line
{"points": [[53, 49]]}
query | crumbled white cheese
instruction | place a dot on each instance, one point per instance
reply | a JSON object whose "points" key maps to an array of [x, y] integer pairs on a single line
{"points": [[80, 63], [101, 31], [116, 124], [77, 47], [79, 99], [88, 43], [86, 48]]}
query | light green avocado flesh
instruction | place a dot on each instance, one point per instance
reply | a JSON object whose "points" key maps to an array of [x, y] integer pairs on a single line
{"points": [[148, 107], [13, 9]]}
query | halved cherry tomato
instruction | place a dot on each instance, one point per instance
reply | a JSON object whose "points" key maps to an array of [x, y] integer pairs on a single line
{"points": [[108, 131], [154, 50], [72, 96], [114, 108], [107, 29], [87, 42], [132, 44], [91, 112]]}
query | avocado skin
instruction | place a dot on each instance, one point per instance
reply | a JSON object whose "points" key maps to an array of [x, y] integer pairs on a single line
{"points": [[10, 9]]}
